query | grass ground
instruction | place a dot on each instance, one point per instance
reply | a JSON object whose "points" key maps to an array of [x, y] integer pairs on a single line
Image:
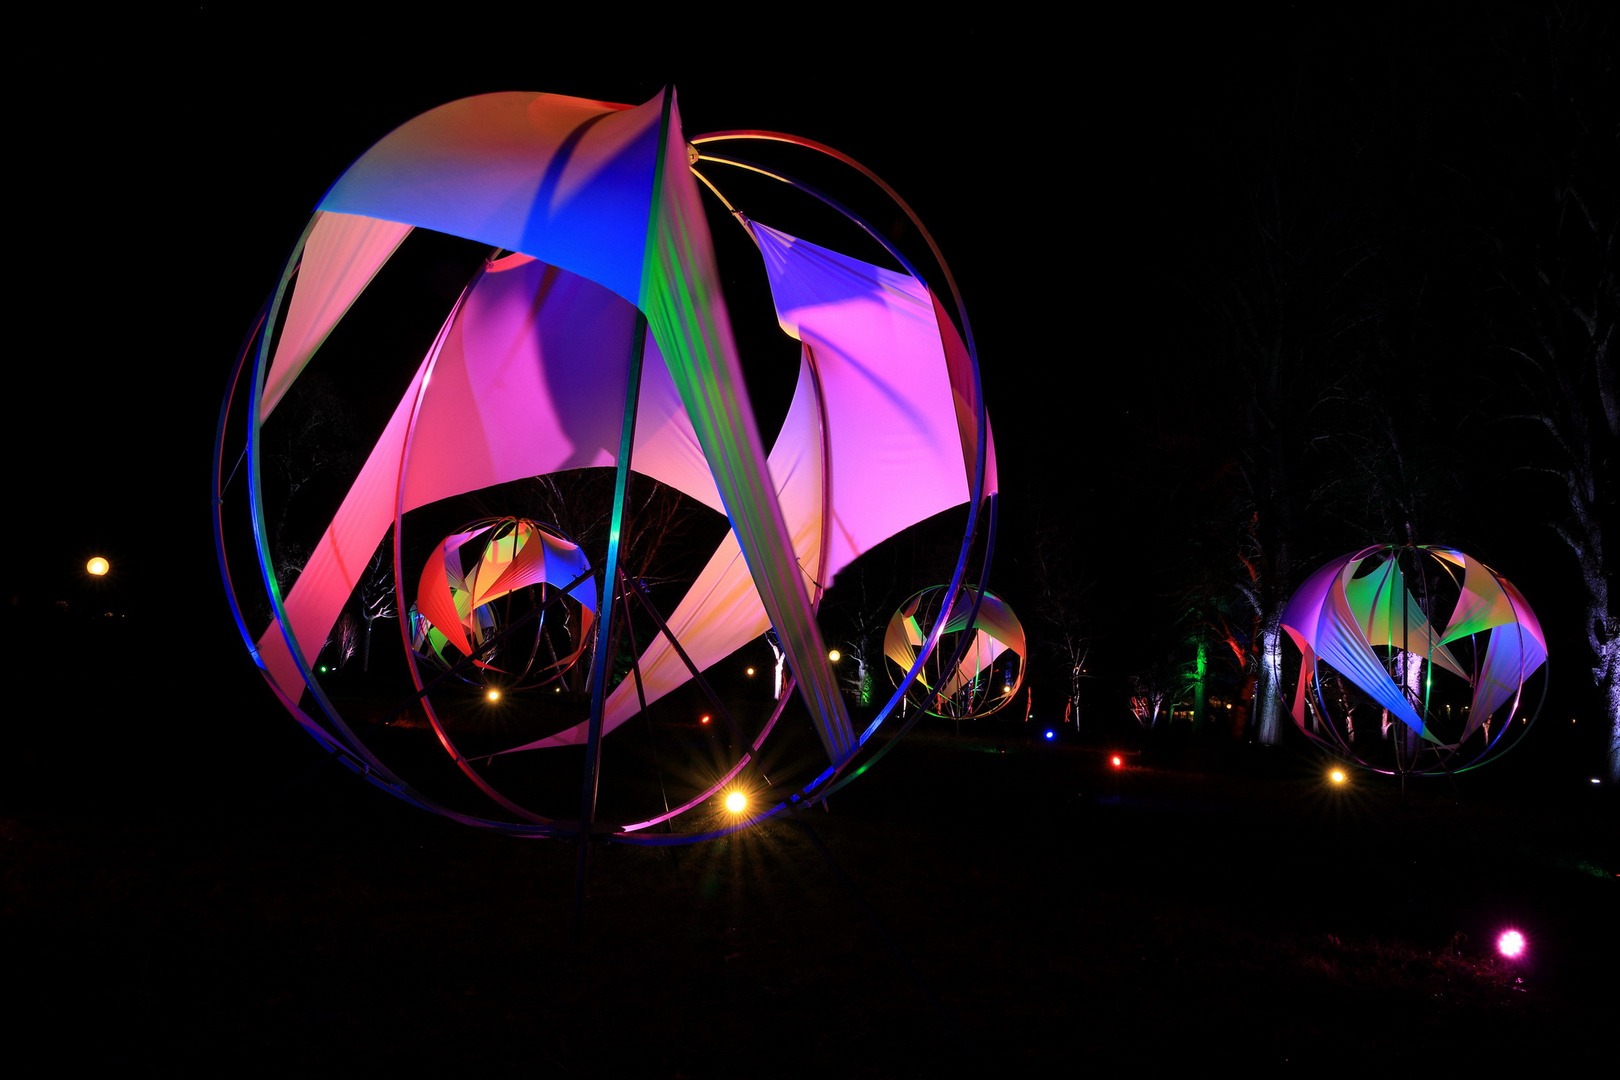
{"points": [[1222, 908]]}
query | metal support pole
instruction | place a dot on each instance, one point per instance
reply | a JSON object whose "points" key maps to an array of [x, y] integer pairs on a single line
{"points": [[603, 660]]}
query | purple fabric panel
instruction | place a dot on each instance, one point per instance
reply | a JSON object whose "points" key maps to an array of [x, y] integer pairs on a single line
{"points": [[564, 563], [1304, 611], [895, 448], [1515, 651], [1319, 616]]}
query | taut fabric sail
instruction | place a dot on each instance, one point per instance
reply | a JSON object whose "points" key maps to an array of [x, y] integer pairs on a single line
{"points": [[875, 365], [1339, 614]]}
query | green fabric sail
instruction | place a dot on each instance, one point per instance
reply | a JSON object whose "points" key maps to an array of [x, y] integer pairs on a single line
{"points": [[686, 314]]}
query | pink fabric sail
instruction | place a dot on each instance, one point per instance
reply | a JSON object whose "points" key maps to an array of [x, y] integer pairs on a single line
{"points": [[596, 335], [599, 190], [342, 253], [878, 343], [528, 374], [875, 344], [527, 378]]}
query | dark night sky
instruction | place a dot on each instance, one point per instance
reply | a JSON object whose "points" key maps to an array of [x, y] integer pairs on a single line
{"points": [[1089, 185]]}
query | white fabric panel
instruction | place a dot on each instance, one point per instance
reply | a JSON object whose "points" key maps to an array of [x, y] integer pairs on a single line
{"points": [[341, 256]]}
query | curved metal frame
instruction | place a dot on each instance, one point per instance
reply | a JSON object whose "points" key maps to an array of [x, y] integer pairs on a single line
{"points": [[1495, 746], [521, 680], [336, 737], [975, 712]]}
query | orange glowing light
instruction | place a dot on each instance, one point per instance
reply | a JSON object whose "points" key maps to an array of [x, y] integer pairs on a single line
{"points": [[750, 671], [736, 802], [705, 719], [493, 695], [1337, 776], [834, 655], [97, 566]]}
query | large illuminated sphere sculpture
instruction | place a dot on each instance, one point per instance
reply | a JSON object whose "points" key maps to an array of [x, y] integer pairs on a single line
{"points": [[483, 580], [590, 332], [981, 665], [1414, 659]]}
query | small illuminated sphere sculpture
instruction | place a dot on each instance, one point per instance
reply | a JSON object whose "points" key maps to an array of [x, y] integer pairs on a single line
{"points": [[592, 333], [1414, 660], [484, 580], [982, 669]]}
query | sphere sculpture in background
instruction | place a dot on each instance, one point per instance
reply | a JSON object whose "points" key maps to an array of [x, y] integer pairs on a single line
{"points": [[480, 582], [593, 334], [1415, 659], [978, 669]]}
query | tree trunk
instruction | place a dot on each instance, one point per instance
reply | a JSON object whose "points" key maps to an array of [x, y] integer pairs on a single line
{"points": [[1268, 696]]}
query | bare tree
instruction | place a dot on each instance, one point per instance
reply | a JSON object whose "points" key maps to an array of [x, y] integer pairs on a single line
{"points": [[375, 595], [1568, 377], [1061, 607], [1559, 269], [307, 438]]}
